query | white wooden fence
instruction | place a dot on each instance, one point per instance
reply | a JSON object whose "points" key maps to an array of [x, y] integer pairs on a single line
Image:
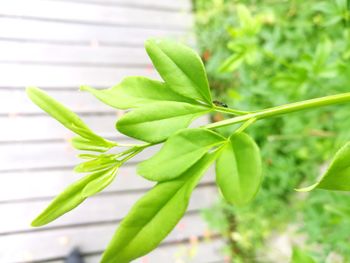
{"points": [[59, 45]]}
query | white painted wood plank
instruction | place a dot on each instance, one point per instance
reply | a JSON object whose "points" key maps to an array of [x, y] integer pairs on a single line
{"points": [[15, 102], [46, 155], [22, 29], [178, 5], [18, 186], [102, 208], [95, 14], [58, 243], [24, 128], [65, 54], [66, 76], [46, 184], [194, 252], [17, 128]]}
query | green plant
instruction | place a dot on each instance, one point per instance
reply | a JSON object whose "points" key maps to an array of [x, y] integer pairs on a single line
{"points": [[300, 51], [161, 113]]}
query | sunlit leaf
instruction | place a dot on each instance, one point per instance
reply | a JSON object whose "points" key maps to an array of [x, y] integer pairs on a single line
{"points": [[179, 152], [300, 256], [337, 176], [101, 162], [68, 119], [100, 183], [238, 169], [153, 217], [70, 198], [158, 121], [181, 68], [135, 92]]}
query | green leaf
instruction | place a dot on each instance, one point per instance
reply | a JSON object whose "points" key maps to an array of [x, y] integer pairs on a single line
{"points": [[135, 92], [300, 256], [153, 217], [69, 119], [238, 169], [62, 114], [232, 63], [100, 183], [337, 176], [103, 145], [181, 68], [158, 121], [70, 198], [179, 152], [101, 162]]}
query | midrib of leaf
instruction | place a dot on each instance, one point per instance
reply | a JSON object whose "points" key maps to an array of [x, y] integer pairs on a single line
{"points": [[195, 151], [187, 76], [167, 201], [173, 117]]}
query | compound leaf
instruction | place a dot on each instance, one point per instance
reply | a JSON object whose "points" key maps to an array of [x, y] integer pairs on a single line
{"points": [[337, 176], [156, 122], [238, 169], [181, 69], [153, 217], [179, 152], [135, 92]]}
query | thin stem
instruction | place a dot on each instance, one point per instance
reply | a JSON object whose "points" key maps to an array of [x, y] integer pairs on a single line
{"points": [[284, 109], [230, 111], [245, 125], [131, 155]]}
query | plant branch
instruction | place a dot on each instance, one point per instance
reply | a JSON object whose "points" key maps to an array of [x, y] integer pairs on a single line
{"points": [[230, 111], [284, 109]]}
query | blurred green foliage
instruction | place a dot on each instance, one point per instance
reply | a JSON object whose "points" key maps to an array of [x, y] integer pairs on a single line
{"points": [[264, 53]]}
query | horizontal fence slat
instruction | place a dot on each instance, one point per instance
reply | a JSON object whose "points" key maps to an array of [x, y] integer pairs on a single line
{"points": [[103, 208], [178, 5], [64, 33], [66, 76], [21, 128], [43, 185], [23, 52], [207, 251], [71, 12], [47, 155], [57, 243], [16, 102], [43, 128]]}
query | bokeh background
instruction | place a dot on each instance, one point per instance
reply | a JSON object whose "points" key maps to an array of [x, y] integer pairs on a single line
{"points": [[257, 53]]}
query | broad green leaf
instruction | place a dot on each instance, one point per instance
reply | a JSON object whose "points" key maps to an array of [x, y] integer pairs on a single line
{"points": [[179, 152], [70, 198], [238, 169], [158, 121], [100, 183], [135, 92], [299, 256], [337, 176], [181, 69], [153, 217]]}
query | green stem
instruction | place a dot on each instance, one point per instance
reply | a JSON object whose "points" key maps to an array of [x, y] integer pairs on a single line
{"points": [[284, 109], [230, 111], [245, 125]]}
